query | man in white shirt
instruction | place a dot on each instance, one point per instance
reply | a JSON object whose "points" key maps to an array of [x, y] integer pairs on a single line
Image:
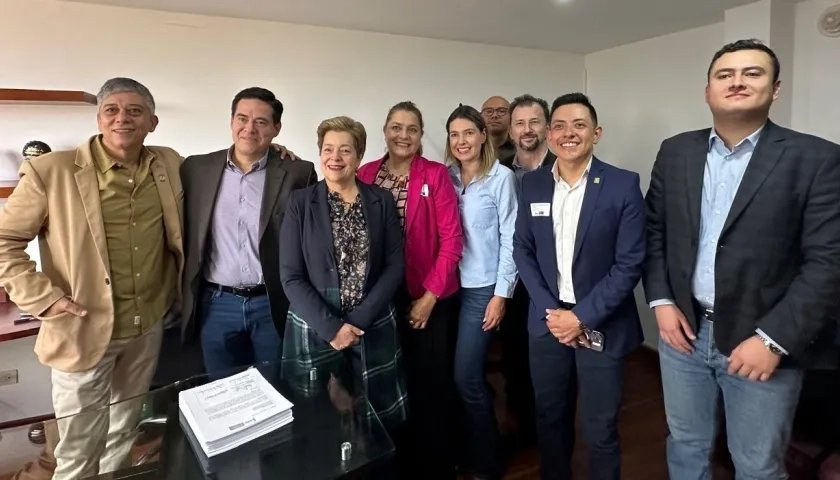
{"points": [[579, 247]]}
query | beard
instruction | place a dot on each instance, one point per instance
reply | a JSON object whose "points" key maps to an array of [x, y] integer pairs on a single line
{"points": [[529, 147]]}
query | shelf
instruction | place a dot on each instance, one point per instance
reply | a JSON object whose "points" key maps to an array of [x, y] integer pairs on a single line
{"points": [[64, 97], [9, 312]]}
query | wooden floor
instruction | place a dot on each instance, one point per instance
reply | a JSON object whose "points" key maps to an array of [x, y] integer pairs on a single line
{"points": [[642, 427]]}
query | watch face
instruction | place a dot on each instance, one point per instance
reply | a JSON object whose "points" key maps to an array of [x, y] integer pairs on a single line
{"points": [[772, 348]]}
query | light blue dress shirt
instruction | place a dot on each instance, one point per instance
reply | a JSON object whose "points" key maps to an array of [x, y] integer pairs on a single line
{"points": [[488, 216], [234, 241], [721, 177]]}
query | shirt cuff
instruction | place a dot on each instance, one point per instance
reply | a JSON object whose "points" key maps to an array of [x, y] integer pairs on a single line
{"points": [[504, 288], [662, 301], [767, 337]]}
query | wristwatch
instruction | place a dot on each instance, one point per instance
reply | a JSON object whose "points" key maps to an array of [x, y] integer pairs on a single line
{"points": [[772, 346]]}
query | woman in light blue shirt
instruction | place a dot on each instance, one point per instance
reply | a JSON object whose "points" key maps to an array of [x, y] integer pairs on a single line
{"points": [[487, 201]]}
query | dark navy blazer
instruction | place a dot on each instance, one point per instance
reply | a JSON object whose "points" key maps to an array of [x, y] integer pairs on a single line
{"points": [[608, 258], [308, 265]]}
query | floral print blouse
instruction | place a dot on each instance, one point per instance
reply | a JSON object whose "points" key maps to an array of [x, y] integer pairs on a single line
{"points": [[398, 186], [350, 241]]}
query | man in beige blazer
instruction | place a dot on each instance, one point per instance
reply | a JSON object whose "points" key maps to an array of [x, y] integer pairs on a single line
{"points": [[108, 216]]}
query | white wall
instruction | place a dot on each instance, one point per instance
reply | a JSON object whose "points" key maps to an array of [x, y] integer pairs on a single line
{"points": [[650, 90], [816, 97], [645, 92], [194, 66]]}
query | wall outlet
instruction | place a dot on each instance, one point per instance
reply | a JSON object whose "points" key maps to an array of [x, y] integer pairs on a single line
{"points": [[8, 377]]}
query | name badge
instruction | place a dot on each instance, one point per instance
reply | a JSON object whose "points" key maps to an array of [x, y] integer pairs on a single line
{"points": [[424, 191], [540, 209]]}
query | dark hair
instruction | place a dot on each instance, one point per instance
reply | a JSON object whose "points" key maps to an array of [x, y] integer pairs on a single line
{"points": [[488, 153], [748, 44], [262, 94], [410, 107], [575, 99], [529, 100]]}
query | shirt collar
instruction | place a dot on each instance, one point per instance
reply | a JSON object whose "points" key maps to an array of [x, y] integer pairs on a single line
{"points": [[752, 139], [455, 170], [258, 165], [518, 165], [105, 162], [558, 178]]}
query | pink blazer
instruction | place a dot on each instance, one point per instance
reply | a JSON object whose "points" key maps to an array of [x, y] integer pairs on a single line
{"points": [[433, 235]]}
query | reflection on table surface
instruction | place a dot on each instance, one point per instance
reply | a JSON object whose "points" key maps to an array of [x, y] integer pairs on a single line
{"points": [[329, 410]]}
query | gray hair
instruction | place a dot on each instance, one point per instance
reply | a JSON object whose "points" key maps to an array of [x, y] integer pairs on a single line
{"points": [[123, 85]]}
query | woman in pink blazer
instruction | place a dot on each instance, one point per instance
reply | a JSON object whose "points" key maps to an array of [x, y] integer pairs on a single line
{"points": [[428, 210]]}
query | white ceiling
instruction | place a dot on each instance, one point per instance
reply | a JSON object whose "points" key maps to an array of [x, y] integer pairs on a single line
{"points": [[574, 26]]}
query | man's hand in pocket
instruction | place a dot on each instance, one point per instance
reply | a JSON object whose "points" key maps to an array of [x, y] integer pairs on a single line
{"points": [[63, 305]]}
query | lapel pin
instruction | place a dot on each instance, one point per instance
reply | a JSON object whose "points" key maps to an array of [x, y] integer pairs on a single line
{"points": [[162, 178], [597, 180]]}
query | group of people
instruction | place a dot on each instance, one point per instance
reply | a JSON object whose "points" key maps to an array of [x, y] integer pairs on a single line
{"points": [[408, 267]]}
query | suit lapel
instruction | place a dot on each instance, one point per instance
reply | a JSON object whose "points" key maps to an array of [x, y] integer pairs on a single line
{"points": [[695, 165], [274, 175], [212, 179], [416, 180], [371, 207], [321, 214], [765, 157], [168, 204], [88, 187], [594, 181], [545, 236]]}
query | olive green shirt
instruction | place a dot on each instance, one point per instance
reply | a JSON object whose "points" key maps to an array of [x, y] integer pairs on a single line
{"points": [[143, 270]]}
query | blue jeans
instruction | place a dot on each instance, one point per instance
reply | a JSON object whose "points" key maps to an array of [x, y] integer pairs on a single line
{"points": [[759, 415], [484, 443], [237, 331]]}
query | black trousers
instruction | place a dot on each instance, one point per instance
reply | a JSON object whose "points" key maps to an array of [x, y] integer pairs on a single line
{"points": [[559, 373], [519, 389], [177, 361], [425, 447]]}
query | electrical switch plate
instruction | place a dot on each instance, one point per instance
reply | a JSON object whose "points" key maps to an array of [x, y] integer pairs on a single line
{"points": [[8, 377]]}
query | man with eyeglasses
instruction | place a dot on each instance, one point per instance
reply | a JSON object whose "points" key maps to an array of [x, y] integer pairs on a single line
{"points": [[496, 113]]}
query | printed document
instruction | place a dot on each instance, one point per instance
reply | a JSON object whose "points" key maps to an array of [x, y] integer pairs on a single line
{"points": [[232, 411]]}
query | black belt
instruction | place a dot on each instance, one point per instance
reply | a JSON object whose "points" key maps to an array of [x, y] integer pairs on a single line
{"points": [[566, 305], [703, 311], [247, 292]]}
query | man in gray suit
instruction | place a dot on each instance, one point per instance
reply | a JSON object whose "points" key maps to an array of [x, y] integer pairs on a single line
{"points": [[234, 201], [743, 269]]}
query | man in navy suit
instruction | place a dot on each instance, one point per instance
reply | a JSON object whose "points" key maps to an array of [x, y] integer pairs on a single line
{"points": [[579, 247]]}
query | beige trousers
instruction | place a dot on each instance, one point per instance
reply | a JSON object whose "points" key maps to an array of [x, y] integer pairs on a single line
{"points": [[93, 437]]}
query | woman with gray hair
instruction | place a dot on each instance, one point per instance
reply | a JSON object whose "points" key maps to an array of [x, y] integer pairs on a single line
{"points": [[106, 282]]}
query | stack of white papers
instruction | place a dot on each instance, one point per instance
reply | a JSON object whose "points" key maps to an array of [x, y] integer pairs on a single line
{"points": [[233, 411]]}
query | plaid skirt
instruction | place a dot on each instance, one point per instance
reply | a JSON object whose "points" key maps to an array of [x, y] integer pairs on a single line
{"points": [[375, 365]]}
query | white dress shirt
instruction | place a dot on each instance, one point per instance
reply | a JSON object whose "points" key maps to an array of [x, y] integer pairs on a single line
{"points": [[565, 213]]}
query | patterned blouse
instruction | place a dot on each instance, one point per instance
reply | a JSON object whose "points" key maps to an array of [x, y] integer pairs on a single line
{"points": [[350, 240], [398, 186]]}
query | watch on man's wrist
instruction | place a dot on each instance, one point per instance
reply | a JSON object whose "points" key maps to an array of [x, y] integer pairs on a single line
{"points": [[772, 346]]}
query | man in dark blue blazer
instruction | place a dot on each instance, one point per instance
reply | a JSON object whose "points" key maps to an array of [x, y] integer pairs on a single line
{"points": [[579, 247]]}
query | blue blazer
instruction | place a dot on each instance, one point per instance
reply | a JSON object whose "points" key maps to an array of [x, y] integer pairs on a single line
{"points": [[308, 266], [608, 257]]}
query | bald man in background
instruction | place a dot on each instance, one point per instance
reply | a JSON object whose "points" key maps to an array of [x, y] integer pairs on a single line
{"points": [[496, 113]]}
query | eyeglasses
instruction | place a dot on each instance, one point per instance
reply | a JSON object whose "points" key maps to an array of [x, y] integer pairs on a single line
{"points": [[488, 112]]}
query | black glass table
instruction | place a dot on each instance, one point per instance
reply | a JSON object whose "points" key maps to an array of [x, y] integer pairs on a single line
{"points": [[335, 433]]}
